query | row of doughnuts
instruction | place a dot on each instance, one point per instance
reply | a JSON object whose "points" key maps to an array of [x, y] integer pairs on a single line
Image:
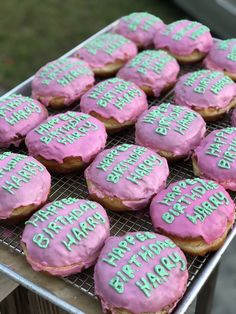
{"points": [[69, 141], [126, 177], [118, 104], [137, 272]]}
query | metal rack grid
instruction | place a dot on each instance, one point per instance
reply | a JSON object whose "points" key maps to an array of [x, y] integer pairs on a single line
{"points": [[74, 185]]}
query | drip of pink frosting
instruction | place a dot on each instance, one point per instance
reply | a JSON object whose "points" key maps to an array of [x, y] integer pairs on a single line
{"points": [[66, 77], [18, 115], [114, 174], [50, 253], [222, 56], [107, 49], [196, 89], [23, 180], [170, 128], [70, 134], [140, 27], [154, 69], [133, 267], [183, 37], [115, 98], [188, 195], [216, 157]]}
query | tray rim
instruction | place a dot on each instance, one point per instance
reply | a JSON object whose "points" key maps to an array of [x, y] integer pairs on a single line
{"points": [[192, 290]]}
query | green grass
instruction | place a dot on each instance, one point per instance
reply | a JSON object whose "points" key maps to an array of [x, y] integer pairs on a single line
{"points": [[33, 32]]}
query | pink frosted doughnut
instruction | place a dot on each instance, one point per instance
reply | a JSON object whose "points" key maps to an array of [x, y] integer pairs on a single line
{"points": [[139, 273], [107, 53], [67, 141], [115, 102], [62, 82], [18, 115], [222, 57], [151, 70], [188, 41], [215, 157], [172, 131], [126, 177], [25, 186], [140, 27], [195, 213], [65, 236], [210, 93]]}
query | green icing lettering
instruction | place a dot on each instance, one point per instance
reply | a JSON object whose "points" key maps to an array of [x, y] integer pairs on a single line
{"points": [[16, 108], [22, 176], [176, 258], [154, 279], [199, 32], [107, 43], [63, 71], [146, 254], [144, 169], [134, 260], [160, 273], [173, 200], [41, 241], [217, 87], [48, 232], [144, 286], [63, 134], [111, 259], [70, 240], [150, 60], [116, 284], [120, 169], [111, 156], [141, 20], [127, 269], [185, 29]]}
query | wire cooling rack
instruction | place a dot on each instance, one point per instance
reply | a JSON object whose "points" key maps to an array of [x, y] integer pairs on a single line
{"points": [[74, 185]]}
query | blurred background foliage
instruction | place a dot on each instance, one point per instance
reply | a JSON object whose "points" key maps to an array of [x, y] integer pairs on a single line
{"points": [[33, 32]]}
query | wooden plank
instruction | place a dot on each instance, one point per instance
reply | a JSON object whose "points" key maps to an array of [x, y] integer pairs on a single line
{"points": [[16, 303], [40, 306], [7, 286], [23, 301]]}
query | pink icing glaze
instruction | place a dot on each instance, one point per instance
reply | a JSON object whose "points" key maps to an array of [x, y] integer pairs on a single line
{"points": [[155, 69], [23, 180], [140, 27], [222, 56], [107, 49], [204, 89], [131, 173], [128, 259], [216, 157], [179, 216], [170, 128], [66, 77], [18, 115], [70, 134], [233, 118], [115, 98], [53, 244], [183, 37]]}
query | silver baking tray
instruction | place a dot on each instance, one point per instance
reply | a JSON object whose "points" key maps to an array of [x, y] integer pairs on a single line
{"points": [[200, 268]]}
